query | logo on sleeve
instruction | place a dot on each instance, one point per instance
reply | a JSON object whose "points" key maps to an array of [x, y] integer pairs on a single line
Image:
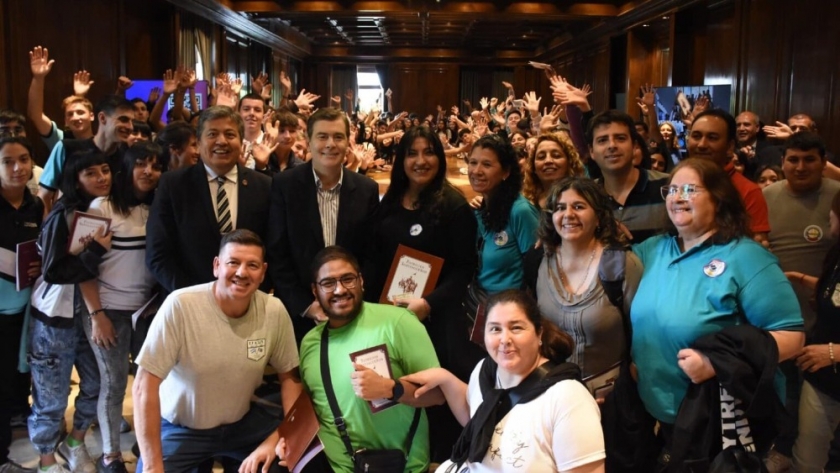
{"points": [[813, 233], [256, 349]]}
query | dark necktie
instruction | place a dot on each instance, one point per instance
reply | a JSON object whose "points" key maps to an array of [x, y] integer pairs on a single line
{"points": [[223, 207]]}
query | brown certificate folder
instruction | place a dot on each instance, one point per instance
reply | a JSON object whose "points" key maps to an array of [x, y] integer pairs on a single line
{"points": [[26, 254], [300, 429], [413, 274]]}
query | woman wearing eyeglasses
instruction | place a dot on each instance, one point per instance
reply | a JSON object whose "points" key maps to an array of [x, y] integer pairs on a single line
{"points": [[699, 282]]}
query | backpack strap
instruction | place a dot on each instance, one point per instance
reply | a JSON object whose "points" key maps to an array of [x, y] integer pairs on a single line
{"points": [[611, 271]]}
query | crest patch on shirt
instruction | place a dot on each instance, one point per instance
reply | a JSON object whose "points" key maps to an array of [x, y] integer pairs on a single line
{"points": [[715, 268], [813, 233], [415, 229], [501, 238], [256, 349]]}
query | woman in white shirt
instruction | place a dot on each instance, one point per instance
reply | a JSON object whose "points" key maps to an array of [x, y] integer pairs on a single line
{"points": [[524, 409]]}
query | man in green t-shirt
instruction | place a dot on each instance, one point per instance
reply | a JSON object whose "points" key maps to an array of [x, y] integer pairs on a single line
{"points": [[354, 326]]}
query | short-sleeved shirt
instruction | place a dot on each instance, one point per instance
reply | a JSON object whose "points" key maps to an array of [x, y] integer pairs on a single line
{"points": [[501, 252], [410, 350], [801, 234], [51, 177], [56, 135], [753, 200], [19, 225], [558, 431], [643, 213], [687, 295], [211, 363]]}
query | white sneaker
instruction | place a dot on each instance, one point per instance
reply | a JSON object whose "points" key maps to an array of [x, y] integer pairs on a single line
{"points": [[77, 458], [776, 462], [54, 468]]}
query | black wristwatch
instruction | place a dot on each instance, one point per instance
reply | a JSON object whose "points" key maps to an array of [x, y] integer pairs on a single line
{"points": [[398, 391]]}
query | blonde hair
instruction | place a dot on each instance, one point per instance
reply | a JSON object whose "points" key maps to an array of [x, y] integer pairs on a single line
{"points": [[74, 99]]}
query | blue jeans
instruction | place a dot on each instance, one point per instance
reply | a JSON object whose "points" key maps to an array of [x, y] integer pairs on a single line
{"points": [[819, 417], [52, 353], [184, 449], [113, 370]]}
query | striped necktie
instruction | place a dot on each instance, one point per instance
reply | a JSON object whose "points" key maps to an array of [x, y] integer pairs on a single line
{"points": [[223, 207]]}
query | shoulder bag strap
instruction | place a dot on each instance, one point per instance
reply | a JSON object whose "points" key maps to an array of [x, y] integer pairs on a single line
{"points": [[328, 389]]}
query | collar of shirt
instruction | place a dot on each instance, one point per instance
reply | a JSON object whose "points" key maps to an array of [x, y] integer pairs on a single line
{"points": [[231, 175], [320, 187]]}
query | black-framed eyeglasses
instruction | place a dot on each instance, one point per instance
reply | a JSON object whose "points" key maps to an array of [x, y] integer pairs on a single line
{"points": [[683, 192], [11, 131], [330, 284]]}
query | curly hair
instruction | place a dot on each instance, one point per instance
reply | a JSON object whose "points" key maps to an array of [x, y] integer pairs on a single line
{"points": [[606, 232], [731, 217], [495, 210], [532, 187]]}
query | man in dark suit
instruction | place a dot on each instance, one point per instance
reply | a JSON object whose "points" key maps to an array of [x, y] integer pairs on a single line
{"points": [[315, 205], [190, 211]]}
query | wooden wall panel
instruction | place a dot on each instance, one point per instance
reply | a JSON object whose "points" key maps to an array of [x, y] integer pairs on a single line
{"points": [[421, 87], [108, 38]]}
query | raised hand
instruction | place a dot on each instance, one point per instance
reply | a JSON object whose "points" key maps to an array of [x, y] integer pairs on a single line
{"points": [[780, 131], [389, 93], [507, 85], [259, 82], [648, 99], [236, 86], [285, 82], [226, 96], [81, 83], [188, 79], [305, 100], [484, 103], [154, 95], [700, 105], [170, 84], [336, 99], [493, 101], [550, 119], [265, 93], [348, 94], [532, 103], [123, 84], [454, 110], [39, 62], [261, 151]]}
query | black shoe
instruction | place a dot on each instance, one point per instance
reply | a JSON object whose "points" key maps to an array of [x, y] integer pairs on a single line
{"points": [[125, 427], [135, 449], [116, 466]]}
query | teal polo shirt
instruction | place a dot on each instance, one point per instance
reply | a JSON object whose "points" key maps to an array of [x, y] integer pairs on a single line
{"points": [[684, 296], [500, 253]]}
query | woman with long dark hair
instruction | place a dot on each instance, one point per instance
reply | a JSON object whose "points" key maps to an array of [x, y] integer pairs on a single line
{"points": [[57, 336], [124, 285]]}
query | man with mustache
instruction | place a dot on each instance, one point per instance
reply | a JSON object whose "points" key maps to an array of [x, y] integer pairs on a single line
{"points": [[205, 354], [195, 206], [353, 325]]}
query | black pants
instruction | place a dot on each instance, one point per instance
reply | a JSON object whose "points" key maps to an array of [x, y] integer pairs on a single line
{"points": [[10, 330]]}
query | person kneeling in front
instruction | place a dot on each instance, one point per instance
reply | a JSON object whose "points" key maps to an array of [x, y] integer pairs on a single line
{"points": [[205, 354], [357, 408]]}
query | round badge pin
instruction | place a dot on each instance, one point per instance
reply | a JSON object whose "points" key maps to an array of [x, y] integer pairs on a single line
{"points": [[415, 229], [501, 238], [813, 233], [715, 268]]}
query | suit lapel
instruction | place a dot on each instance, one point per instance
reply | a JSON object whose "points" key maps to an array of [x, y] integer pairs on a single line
{"points": [[244, 189], [198, 176], [311, 213]]}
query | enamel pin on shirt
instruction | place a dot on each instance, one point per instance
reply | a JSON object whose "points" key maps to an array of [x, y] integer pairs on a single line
{"points": [[415, 229], [501, 238], [715, 268]]}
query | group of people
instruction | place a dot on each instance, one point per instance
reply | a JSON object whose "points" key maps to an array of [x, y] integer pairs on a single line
{"points": [[624, 319]]}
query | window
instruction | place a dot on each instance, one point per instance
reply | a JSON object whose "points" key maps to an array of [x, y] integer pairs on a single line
{"points": [[369, 89]]}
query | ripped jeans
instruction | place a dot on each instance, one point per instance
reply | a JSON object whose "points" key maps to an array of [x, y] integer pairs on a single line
{"points": [[53, 350]]}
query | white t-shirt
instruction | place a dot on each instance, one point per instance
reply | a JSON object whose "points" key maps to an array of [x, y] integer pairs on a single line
{"points": [[211, 363], [558, 431]]}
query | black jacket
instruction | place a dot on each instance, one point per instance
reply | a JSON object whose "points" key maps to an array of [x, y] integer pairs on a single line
{"points": [[745, 359], [57, 265]]}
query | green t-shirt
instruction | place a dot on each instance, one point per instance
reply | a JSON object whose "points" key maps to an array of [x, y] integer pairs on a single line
{"points": [[409, 349]]}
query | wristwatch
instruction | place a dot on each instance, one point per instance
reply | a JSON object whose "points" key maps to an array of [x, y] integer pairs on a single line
{"points": [[398, 391]]}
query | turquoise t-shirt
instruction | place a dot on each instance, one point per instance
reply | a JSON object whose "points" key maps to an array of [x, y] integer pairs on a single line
{"points": [[501, 254], [409, 349], [684, 296]]}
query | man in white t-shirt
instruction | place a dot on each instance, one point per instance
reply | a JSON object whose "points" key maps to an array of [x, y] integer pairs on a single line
{"points": [[205, 354]]}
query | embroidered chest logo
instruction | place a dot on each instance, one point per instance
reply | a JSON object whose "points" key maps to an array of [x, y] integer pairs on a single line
{"points": [[715, 268], [813, 233], [256, 349]]}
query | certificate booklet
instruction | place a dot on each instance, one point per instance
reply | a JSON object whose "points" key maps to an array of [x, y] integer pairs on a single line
{"points": [[413, 275], [377, 359], [300, 429], [84, 227], [26, 254]]}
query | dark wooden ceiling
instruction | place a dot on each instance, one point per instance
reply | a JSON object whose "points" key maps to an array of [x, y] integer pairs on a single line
{"points": [[473, 25]]}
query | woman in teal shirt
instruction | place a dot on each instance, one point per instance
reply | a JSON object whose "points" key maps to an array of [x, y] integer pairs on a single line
{"points": [[707, 276], [507, 222]]}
